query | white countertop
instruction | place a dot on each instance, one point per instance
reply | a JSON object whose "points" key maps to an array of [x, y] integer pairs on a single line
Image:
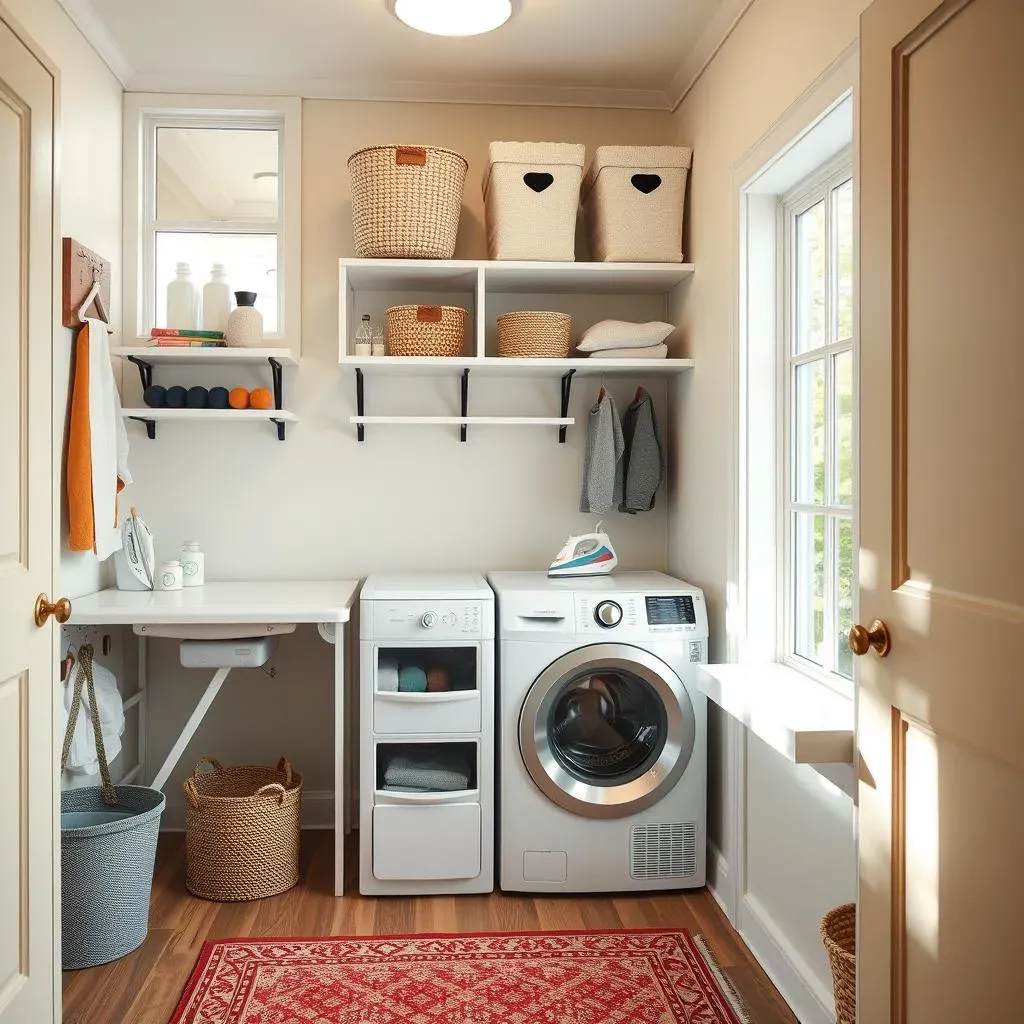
{"points": [[254, 601]]}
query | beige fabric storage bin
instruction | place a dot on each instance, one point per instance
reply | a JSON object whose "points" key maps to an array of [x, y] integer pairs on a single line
{"points": [[531, 195], [633, 202]]}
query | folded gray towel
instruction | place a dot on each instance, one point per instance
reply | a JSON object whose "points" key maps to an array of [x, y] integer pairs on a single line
{"points": [[602, 469], [445, 772], [644, 460]]}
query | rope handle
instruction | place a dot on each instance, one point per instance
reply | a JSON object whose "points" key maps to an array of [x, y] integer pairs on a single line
{"points": [[273, 788], [217, 767], [284, 765], [84, 677], [191, 793]]}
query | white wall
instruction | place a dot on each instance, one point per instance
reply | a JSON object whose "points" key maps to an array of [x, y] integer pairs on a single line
{"points": [[783, 836], [89, 186]]}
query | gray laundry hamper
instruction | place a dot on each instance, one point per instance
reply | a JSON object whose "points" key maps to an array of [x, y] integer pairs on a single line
{"points": [[108, 840]]}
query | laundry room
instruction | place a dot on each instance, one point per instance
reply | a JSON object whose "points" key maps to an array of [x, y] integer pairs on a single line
{"points": [[440, 458]]}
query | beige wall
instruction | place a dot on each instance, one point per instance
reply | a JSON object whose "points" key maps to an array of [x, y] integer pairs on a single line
{"points": [[89, 184], [799, 856]]}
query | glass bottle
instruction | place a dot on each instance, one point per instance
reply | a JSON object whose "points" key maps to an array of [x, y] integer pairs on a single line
{"points": [[364, 337]]}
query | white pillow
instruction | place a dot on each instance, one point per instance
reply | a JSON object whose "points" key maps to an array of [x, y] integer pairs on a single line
{"points": [[622, 334]]}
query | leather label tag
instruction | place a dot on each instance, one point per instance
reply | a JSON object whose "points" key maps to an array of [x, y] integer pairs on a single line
{"points": [[412, 156], [428, 314]]}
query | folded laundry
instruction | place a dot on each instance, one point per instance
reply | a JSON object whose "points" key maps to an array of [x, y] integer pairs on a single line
{"points": [[412, 679], [651, 352], [435, 770], [387, 675]]}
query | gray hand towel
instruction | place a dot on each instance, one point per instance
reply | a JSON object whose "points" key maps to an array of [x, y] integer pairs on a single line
{"points": [[644, 461], [602, 464]]}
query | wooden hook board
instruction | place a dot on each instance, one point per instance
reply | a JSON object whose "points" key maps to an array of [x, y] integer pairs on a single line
{"points": [[80, 263]]}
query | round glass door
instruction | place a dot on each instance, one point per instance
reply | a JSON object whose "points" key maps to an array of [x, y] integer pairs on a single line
{"points": [[606, 730]]}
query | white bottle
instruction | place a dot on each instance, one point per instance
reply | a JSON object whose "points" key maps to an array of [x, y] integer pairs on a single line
{"points": [[193, 567], [364, 337], [379, 347], [216, 300], [182, 300], [170, 576]]}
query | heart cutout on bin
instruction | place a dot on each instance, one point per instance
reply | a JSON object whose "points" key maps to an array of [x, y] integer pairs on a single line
{"points": [[538, 180], [646, 183]]}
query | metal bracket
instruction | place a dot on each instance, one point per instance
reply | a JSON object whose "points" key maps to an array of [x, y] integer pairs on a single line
{"points": [[360, 429], [145, 370], [278, 375], [150, 426], [566, 391], [465, 402]]}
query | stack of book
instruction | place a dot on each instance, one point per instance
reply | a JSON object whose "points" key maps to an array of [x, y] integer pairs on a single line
{"points": [[172, 337]]}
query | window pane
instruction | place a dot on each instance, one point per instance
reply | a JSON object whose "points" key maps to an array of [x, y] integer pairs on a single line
{"points": [[844, 595], [809, 433], [810, 278], [809, 586], [842, 404], [250, 262], [205, 174], [842, 218]]}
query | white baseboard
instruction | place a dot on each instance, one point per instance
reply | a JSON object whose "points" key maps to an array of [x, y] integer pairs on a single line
{"points": [[317, 810], [808, 997], [720, 884]]}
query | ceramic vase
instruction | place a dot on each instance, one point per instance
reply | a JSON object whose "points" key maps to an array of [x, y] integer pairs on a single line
{"points": [[245, 322]]}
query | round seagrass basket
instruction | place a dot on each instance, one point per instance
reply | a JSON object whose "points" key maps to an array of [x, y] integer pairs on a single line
{"points": [[426, 330], [242, 830], [406, 201], [839, 930], [532, 334]]}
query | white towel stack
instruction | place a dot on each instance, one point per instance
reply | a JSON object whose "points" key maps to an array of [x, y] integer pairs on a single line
{"points": [[619, 339]]}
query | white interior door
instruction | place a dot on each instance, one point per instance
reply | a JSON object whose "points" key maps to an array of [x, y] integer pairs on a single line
{"points": [[941, 827], [27, 771]]}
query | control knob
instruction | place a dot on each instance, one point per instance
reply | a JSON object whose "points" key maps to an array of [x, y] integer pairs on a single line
{"points": [[428, 620], [608, 614]]}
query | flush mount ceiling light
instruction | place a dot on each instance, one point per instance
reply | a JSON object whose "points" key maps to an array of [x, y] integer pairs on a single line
{"points": [[453, 17]]}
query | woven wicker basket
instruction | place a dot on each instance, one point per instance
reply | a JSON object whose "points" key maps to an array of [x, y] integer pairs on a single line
{"points": [[426, 330], [839, 931], [530, 334], [406, 201], [242, 830]]}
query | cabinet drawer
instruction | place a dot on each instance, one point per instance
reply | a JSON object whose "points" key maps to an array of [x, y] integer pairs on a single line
{"points": [[426, 842], [456, 711]]}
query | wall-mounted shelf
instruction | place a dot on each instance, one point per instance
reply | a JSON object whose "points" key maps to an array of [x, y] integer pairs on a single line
{"points": [[468, 421], [496, 366], [146, 357]]}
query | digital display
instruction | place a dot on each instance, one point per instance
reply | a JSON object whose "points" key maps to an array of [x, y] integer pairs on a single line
{"points": [[670, 611]]}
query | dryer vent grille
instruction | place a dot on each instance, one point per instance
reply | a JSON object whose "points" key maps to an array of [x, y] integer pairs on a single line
{"points": [[663, 851]]}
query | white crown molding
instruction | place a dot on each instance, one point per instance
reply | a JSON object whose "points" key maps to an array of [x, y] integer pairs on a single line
{"points": [[84, 17], [726, 17]]}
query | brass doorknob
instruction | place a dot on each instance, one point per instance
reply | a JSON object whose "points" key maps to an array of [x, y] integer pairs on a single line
{"points": [[862, 639], [60, 610]]}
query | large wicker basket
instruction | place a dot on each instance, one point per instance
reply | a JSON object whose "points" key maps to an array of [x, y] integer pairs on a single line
{"points": [[530, 334], [426, 330], [406, 201], [242, 830], [839, 932]]}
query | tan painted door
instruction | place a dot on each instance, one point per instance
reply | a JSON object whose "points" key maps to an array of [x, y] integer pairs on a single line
{"points": [[27, 771], [941, 719]]}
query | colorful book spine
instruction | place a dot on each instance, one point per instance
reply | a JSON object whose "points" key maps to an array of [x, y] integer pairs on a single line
{"points": [[174, 332], [187, 343]]}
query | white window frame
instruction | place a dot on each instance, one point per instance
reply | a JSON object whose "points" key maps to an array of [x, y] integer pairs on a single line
{"points": [[144, 115], [817, 187]]}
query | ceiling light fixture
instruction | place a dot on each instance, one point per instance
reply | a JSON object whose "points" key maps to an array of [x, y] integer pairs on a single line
{"points": [[453, 17]]}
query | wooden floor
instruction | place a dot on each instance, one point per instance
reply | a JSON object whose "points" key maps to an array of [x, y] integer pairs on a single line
{"points": [[144, 987]]}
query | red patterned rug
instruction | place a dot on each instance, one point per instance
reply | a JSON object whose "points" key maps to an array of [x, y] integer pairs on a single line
{"points": [[613, 977]]}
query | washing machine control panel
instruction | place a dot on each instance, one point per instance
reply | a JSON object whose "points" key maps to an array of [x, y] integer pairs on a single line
{"points": [[436, 620], [641, 614]]}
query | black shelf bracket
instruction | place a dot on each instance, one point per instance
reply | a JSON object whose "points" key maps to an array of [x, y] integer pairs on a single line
{"points": [[465, 402], [360, 404], [277, 373], [145, 370], [150, 426], [566, 392]]}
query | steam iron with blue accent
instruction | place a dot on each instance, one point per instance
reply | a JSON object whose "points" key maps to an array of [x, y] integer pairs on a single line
{"points": [[588, 554]]}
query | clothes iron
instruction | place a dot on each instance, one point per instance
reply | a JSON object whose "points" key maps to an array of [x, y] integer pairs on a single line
{"points": [[588, 554], [135, 563]]}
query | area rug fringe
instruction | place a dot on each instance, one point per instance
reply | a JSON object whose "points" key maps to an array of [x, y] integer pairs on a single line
{"points": [[727, 988]]}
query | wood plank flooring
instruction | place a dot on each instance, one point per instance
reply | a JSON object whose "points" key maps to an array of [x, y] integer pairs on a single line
{"points": [[144, 987]]}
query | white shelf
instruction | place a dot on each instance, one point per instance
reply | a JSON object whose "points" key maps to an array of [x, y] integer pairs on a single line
{"points": [[499, 367], [188, 356], [210, 415], [403, 275], [464, 421]]}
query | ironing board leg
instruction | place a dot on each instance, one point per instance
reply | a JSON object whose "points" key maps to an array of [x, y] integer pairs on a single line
{"points": [[193, 723]]}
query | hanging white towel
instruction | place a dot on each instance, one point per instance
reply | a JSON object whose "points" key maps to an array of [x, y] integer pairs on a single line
{"points": [[83, 759]]}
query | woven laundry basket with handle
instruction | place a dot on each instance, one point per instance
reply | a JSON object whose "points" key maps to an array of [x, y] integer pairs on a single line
{"points": [[406, 201], [633, 200], [533, 334], [839, 933], [242, 830]]}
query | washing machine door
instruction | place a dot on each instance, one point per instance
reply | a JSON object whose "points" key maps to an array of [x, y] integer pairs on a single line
{"points": [[606, 730]]}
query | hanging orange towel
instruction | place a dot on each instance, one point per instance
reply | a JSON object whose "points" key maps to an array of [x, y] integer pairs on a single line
{"points": [[97, 460]]}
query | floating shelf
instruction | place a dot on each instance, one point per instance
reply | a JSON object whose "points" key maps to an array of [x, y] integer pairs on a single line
{"points": [[499, 367], [466, 421], [211, 415], [160, 355]]}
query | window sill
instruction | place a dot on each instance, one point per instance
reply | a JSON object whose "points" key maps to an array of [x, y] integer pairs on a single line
{"points": [[803, 720]]}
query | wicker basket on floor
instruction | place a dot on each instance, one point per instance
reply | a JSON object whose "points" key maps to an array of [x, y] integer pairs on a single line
{"points": [[839, 931], [242, 830], [426, 330], [531, 334]]}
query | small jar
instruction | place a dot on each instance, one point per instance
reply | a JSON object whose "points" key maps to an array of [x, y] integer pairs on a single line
{"points": [[192, 564], [379, 348], [170, 576]]}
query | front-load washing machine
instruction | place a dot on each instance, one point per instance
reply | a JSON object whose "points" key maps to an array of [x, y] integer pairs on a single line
{"points": [[602, 734]]}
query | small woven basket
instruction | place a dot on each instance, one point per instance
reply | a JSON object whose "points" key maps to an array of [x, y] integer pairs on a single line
{"points": [[406, 201], [242, 830], [426, 330], [839, 932], [531, 334]]}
